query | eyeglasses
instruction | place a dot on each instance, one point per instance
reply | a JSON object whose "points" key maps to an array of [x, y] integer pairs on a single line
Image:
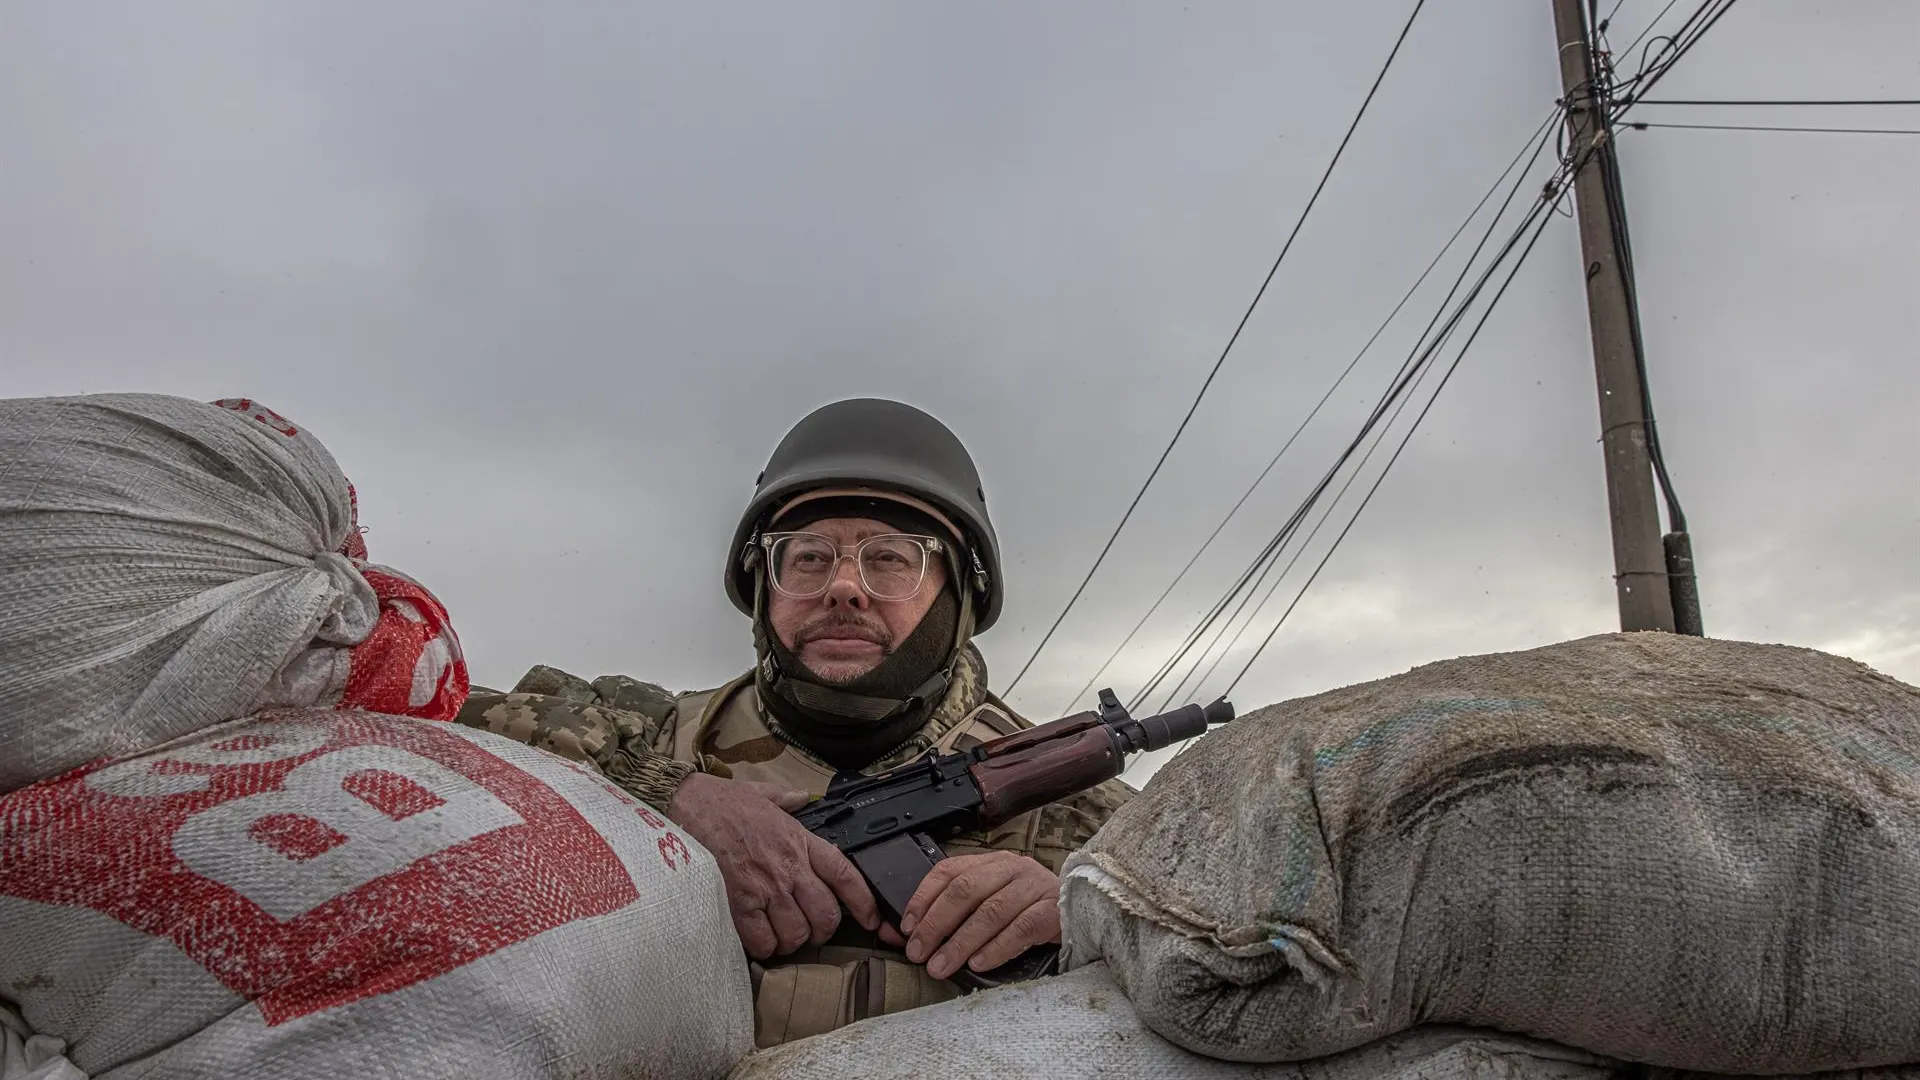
{"points": [[801, 565]]}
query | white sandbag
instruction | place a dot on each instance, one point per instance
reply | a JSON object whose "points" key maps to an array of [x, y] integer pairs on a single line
{"points": [[1081, 1027], [334, 894], [27, 1056], [1685, 853], [167, 564]]}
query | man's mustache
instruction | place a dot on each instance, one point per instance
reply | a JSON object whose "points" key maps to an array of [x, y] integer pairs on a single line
{"points": [[847, 625]]}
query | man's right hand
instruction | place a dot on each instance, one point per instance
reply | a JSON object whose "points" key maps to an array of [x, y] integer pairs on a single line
{"points": [[784, 884]]}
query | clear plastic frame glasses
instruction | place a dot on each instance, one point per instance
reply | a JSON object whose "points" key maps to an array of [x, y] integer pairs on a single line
{"points": [[801, 565]]}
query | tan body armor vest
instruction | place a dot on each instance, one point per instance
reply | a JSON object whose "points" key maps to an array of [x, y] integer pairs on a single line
{"points": [[854, 976]]}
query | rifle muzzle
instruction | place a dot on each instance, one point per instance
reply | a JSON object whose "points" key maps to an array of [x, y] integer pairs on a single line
{"points": [[1182, 723]]}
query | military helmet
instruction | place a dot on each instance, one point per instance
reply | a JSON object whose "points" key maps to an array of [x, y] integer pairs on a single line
{"points": [[876, 444]]}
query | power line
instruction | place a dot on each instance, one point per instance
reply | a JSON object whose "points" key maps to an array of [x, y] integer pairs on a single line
{"points": [[1531, 139], [1204, 386], [1545, 220], [1256, 572], [1635, 43], [1333, 504], [1654, 66], [1537, 218], [1682, 48], [1638, 125], [1409, 372], [1780, 104]]}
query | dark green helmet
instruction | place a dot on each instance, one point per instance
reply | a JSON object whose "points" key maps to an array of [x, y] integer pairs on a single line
{"points": [[884, 445]]}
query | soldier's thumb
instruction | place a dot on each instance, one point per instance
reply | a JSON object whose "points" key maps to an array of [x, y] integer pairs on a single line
{"points": [[780, 795]]}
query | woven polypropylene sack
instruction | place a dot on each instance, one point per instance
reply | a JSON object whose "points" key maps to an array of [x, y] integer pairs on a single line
{"points": [[1685, 853], [25, 1055], [167, 564], [321, 893], [1081, 1027]]}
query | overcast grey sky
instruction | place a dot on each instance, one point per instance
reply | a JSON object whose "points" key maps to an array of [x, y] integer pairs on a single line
{"points": [[552, 279]]}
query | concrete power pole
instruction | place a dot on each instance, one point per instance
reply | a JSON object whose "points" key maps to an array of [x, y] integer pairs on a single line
{"points": [[1639, 556]]}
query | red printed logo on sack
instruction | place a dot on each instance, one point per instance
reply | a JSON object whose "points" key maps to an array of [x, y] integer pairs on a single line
{"points": [[310, 859]]}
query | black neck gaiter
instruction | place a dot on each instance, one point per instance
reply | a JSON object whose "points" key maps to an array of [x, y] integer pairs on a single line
{"points": [[847, 743]]}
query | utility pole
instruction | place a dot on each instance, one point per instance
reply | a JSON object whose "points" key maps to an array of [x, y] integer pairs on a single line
{"points": [[1639, 555]]}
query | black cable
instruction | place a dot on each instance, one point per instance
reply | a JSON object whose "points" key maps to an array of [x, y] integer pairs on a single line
{"points": [[1538, 217], [1698, 34], [1284, 248], [1552, 118], [1780, 104], [1683, 48], [1396, 386], [1653, 69], [1417, 359], [1640, 125], [1333, 504], [1545, 220], [1614, 193], [1635, 43], [1676, 43], [1411, 371], [1220, 629], [1646, 61]]}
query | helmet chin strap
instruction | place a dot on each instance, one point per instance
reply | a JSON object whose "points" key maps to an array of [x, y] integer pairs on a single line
{"points": [[834, 706]]}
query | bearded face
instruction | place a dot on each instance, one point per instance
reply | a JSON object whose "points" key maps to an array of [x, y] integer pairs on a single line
{"points": [[845, 632]]}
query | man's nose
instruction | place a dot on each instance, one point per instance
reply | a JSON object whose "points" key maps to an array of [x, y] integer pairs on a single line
{"points": [[846, 587]]}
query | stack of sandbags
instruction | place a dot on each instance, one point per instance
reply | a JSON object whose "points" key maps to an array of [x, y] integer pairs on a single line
{"points": [[237, 838], [317, 892], [1684, 853], [1080, 1026]]}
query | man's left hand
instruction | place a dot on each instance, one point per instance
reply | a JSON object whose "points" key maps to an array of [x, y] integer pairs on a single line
{"points": [[979, 911]]}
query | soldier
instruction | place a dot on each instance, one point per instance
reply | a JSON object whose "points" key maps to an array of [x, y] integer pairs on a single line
{"points": [[867, 563]]}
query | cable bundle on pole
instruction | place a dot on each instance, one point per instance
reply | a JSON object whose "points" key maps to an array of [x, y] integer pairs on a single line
{"points": [[1611, 100], [1206, 646], [1223, 626]]}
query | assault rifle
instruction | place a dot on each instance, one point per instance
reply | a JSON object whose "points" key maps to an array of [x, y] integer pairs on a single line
{"points": [[889, 825]]}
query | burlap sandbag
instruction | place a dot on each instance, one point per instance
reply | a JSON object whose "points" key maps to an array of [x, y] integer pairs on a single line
{"points": [[1686, 853]]}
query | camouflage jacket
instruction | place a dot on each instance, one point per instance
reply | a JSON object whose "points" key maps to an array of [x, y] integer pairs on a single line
{"points": [[647, 740]]}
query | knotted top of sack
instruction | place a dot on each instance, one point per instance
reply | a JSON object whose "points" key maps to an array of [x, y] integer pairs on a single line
{"points": [[168, 564]]}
